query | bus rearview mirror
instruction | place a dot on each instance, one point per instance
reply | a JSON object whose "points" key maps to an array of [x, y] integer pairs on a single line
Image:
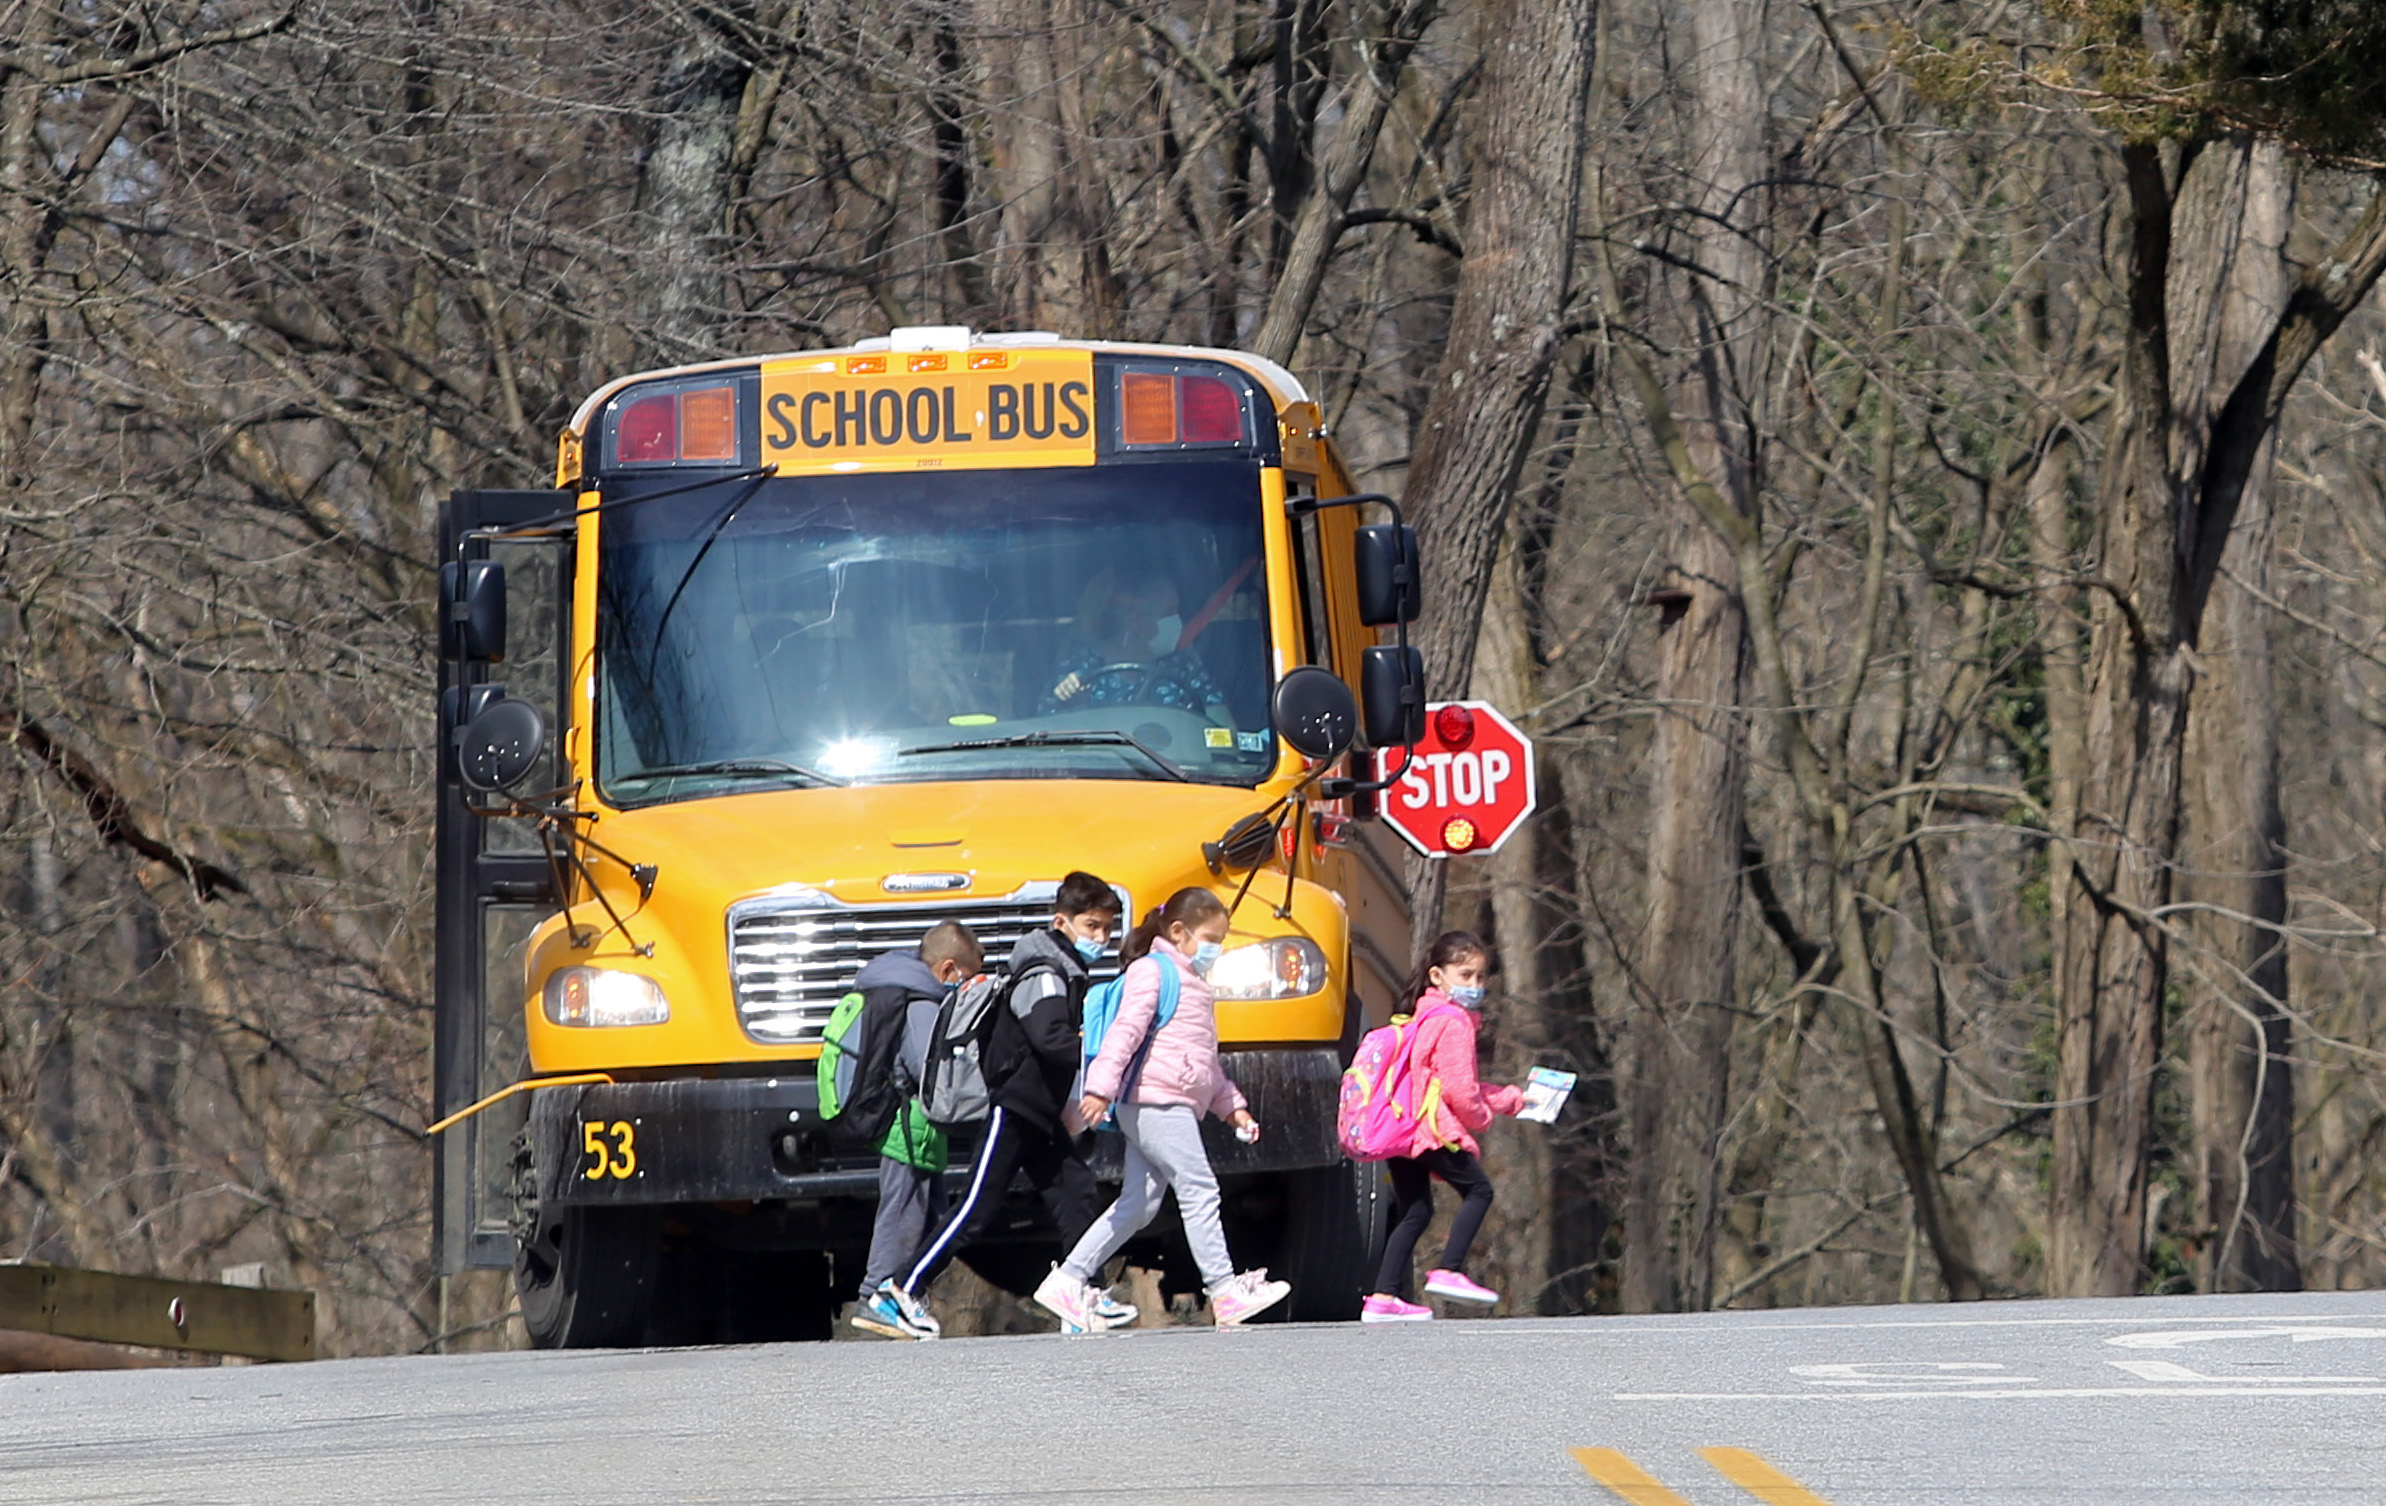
{"points": [[499, 747], [1392, 682], [1391, 585], [472, 611], [1315, 713]]}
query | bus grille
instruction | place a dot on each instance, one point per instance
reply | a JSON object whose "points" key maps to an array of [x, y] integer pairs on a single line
{"points": [[790, 961]]}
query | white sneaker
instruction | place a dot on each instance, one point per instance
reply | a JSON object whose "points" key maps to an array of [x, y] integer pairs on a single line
{"points": [[1114, 1313], [1070, 1300], [1245, 1296], [912, 1314]]}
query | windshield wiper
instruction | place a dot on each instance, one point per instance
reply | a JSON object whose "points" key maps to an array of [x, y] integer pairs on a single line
{"points": [[1096, 738], [752, 768]]}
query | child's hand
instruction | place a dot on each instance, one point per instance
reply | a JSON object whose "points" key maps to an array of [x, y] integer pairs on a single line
{"points": [[1091, 1108], [1246, 1128]]}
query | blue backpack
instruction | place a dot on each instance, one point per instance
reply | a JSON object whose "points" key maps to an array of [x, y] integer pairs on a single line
{"points": [[1101, 1009]]}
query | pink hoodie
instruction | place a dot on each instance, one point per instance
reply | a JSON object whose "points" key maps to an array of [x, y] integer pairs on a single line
{"points": [[1444, 1047], [1183, 1067]]}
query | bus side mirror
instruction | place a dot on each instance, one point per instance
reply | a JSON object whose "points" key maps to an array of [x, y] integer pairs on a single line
{"points": [[1391, 585], [498, 748], [1246, 844], [1314, 712], [1392, 678], [472, 611]]}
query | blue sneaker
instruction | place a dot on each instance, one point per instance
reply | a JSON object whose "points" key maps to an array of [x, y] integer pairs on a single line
{"points": [[1112, 1312], [917, 1321], [890, 1311]]}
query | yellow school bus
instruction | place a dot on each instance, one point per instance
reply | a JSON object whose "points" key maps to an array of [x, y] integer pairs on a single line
{"points": [[807, 652]]}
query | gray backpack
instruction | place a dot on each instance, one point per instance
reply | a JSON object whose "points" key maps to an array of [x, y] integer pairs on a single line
{"points": [[953, 1089]]}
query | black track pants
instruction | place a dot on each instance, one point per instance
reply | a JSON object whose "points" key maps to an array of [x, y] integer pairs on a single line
{"points": [[1012, 1145]]}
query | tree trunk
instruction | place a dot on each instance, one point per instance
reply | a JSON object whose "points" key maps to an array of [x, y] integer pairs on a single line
{"points": [[2109, 1024], [2176, 486], [1506, 324], [1506, 675], [2236, 209], [1680, 1038], [1053, 271], [684, 185], [1320, 224]]}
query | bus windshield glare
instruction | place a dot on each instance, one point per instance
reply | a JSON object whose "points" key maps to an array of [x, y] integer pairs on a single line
{"points": [[1096, 622]]}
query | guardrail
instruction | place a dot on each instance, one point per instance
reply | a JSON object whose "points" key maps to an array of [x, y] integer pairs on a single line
{"points": [[198, 1316]]}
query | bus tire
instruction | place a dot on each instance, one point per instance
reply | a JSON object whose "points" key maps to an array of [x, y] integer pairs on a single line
{"points": [[1334, 1225], [587, 1277]]}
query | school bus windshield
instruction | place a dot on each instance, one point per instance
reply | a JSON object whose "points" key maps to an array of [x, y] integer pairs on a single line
{"points": [[1098, 622]]}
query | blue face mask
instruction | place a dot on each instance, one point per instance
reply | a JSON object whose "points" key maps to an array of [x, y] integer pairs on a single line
{"points": [[1466, 995], [1204, 955], [1091, 951]]}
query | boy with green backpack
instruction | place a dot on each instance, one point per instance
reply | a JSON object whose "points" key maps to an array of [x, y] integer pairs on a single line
{"points": [[872, 1056]]}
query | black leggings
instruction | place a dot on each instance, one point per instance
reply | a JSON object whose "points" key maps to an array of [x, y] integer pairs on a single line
{"points": [[1412, 1200]]}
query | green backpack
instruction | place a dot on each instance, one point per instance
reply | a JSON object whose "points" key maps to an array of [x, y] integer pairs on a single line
{"points": [[856, 1070]]}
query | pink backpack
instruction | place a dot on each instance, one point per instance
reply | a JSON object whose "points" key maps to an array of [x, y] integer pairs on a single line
{"points": [[1382, 1101]]}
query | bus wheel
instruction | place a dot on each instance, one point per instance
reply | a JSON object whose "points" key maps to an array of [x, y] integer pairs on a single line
{"points": [[1334, 1224], [587, 1276]]}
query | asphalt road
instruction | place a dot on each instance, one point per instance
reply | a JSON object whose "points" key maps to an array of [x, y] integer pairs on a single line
{"points": [[2217, 1399]]}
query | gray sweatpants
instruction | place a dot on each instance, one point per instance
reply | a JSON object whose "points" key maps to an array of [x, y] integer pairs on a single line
{"points": [[1163, 1151], [910, 1203]]}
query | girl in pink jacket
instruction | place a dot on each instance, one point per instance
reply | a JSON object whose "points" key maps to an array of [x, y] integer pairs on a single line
{"points": [[1162, 1081], [1444, 996]]}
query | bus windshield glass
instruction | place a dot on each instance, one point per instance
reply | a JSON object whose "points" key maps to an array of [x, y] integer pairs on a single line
{"points": [[1095, 622]]}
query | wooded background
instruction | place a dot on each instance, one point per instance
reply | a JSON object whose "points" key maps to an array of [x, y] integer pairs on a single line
{"points": [[1901, 460]]}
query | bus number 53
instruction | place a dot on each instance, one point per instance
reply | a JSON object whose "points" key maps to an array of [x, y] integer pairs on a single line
{"points": [[612, 1149]]}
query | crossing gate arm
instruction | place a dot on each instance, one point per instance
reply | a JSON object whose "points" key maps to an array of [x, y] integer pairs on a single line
{"points": [[160, 1314]]}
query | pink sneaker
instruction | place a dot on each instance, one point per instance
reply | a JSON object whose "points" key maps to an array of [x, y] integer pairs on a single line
{"points": [[1244, 1296], [1386, 1309], [1455, 1286]]}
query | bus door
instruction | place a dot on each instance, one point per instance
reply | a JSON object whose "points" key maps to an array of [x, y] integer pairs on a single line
{"points": [[494, 880]]}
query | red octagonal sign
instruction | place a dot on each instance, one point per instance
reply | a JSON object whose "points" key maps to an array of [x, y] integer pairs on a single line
{"points": [[1469, 782]]}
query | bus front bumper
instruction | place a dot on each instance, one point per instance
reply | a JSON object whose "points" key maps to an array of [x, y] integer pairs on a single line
{"points": [[762, 1140]]}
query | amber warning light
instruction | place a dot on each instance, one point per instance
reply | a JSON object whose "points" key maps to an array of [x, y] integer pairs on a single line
{"points": [[1158, 409]]}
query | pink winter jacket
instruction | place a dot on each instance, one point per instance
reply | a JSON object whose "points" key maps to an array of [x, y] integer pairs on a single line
{"points": [[1444, 1047], [1183, 1067]]}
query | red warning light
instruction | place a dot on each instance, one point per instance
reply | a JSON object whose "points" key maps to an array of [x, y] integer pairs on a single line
{"points": [[1458, 834], [1454, 727], [649, 429], [1212, 413]]}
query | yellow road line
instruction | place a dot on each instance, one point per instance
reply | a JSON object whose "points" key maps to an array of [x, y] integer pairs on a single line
{"points": [[1758, 1478], [1628, 1480]]}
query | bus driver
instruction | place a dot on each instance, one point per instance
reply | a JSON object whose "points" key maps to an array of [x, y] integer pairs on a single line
{"points": [[1134, 651]]}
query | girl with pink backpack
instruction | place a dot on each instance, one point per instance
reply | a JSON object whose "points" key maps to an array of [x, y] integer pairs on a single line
{"points": [[1444, 997]]}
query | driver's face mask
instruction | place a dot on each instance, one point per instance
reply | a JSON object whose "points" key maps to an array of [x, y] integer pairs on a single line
{"points": [[1164, 637]]}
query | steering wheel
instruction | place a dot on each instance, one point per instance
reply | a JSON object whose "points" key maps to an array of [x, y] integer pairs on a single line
{"points": [[1085, 679]]}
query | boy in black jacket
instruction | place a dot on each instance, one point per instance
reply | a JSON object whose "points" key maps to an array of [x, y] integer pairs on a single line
{"points": [[1032, 1057]]}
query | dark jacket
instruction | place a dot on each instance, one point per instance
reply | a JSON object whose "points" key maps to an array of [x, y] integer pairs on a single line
{"points": [[1033, 1054]]}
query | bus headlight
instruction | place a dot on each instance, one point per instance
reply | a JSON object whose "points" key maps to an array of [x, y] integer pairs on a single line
{"points": [[598, 996], [1284, 968]]}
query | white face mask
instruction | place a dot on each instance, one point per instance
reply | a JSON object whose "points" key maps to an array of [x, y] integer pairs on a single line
{"points": [[1172, 627]]}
